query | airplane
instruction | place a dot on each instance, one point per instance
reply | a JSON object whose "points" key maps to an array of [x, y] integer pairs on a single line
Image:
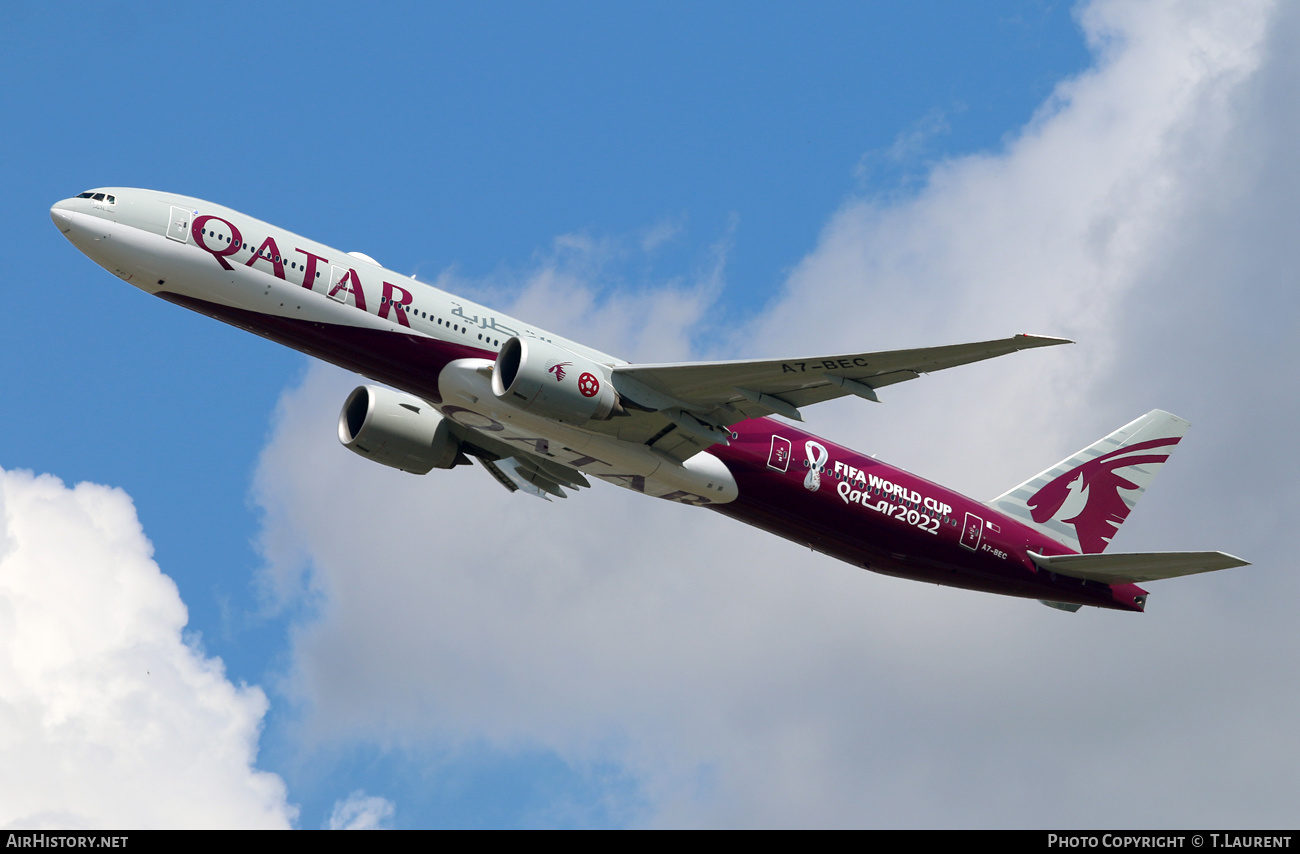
{"points": [[543, 414]]}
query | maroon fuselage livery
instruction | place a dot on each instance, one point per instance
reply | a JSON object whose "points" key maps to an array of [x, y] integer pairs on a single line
{"points": [[964, 544], [993, 558]]}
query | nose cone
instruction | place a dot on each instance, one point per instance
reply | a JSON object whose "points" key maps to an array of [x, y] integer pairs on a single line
{"points": [[84, 230], [61, 213]]}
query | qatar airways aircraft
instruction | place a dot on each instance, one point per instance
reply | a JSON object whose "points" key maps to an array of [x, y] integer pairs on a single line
{"points": [[543, 414]]}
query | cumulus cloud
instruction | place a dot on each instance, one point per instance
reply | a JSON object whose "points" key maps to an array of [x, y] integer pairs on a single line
{"points": [[1052, 235], [740, 680], [109, 718]]}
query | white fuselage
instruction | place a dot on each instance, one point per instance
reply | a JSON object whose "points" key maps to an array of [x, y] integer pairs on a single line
{"points": [[254, 275]]}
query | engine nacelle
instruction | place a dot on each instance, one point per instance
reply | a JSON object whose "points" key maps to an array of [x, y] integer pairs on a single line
{"points": [[397, 430], [552, 382]]}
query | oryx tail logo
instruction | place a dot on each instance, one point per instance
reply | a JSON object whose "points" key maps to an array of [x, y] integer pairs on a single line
{"points": [[1099, 483], [557, 368]]}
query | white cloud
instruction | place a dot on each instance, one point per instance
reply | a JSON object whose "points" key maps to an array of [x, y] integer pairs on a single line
{"points": [[108, 719], [741, 680], [359, 811], [662, 232]]}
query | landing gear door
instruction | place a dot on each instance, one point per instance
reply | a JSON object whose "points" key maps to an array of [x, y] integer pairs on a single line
{"points": [[972, 531]]}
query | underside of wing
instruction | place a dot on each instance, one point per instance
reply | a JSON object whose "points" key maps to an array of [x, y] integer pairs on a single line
{"points": [[535, 476], [693, 402], [516, 469]]}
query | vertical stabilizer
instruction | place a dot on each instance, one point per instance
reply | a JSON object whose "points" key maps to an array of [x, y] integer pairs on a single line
{"points": [[1082, 500]]}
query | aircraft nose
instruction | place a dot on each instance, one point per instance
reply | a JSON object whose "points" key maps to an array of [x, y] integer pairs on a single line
{"points": [[61, 214]]}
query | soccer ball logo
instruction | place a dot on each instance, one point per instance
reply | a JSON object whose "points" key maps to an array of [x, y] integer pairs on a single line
{"points": [[588, 385]]}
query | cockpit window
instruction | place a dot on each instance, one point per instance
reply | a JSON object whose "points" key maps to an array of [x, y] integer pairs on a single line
{"points": [[98, 197]]}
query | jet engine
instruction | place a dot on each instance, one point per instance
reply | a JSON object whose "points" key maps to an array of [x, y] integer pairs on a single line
{"points": [[552, 382], [397, 430]]}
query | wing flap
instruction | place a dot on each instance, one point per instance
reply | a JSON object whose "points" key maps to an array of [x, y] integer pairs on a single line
{"points": [[521, 471], [516, 473], [515, 468]]}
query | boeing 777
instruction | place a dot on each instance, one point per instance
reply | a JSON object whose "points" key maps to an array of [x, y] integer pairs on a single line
{"points": [[543, 414]]}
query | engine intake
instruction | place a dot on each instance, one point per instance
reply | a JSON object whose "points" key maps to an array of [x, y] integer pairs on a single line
{"points": [[397, 430], [547, 380]]}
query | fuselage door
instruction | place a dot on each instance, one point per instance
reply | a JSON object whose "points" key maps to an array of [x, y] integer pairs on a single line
{"points": [[178, 228], [341, 285], [779, 456], [972, 531]]}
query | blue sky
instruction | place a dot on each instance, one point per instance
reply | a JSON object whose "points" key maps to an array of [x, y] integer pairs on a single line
{"points": [[668, 180]]}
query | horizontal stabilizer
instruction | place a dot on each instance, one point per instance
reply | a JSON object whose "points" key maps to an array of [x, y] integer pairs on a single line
{"points": [[1136, 567]]}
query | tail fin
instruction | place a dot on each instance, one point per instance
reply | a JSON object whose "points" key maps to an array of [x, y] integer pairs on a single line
{"points": [[1082, 500]]}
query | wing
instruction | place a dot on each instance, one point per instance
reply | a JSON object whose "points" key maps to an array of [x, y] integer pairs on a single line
{"points": [[696, 401]]}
